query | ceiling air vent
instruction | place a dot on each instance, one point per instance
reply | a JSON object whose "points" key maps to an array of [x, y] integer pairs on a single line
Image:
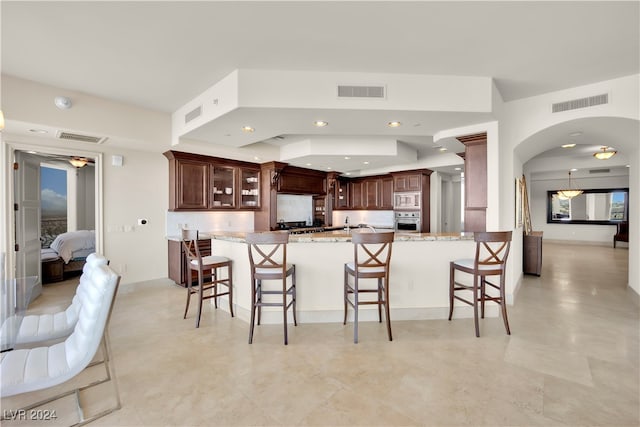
{"points": [[599, 170], [574, 104], [193, 114], [360, 91], [81, 138]]}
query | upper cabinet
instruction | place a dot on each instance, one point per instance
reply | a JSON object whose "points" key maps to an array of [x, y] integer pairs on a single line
{"points": [[369, 193], [407, 182], [199, 183], [295, 180]]}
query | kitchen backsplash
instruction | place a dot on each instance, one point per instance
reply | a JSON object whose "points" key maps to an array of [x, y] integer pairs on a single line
{"points": [[295, 207], [209, 221], [373, 218]]}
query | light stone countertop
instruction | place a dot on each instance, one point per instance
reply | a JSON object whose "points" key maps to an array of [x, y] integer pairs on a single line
{"points": [[334, 236]]}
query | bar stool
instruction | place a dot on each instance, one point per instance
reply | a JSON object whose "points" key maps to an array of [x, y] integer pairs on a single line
{"points": [[492, 250], [268, 260], [207, 269], [372, 257]]}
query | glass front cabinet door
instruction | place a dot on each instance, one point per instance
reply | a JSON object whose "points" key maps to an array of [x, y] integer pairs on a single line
{"points": [[249, 188], [223, 186]]}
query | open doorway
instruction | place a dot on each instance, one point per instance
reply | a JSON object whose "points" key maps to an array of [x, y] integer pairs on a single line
{"points": [[57, 213]]}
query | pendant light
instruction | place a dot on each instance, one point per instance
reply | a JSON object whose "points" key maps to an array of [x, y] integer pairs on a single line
{"points": [[569, 193], [605, 154]]}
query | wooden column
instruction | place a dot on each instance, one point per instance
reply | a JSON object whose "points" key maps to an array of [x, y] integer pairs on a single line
{"points": [[265, 218], [475, 181]]}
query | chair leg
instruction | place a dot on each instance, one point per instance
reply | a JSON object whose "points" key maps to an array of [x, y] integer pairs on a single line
{"points": [[379, 300], [259, 299], [503, 304], [253, 309], [451, 287], [293, 292], [214, 276], [230, 290], [475, 304], [186, 309], [284, 309], [355, 310], [483, 290], [200, 298], [386, 308], [346, 294]]}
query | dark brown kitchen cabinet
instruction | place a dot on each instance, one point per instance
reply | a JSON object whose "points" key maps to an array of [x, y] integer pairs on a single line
{"points": [[386, 193], [341, 195], [356, 199], [407, 182], [200, 183], [188, 184], [178, 269], [293, 180], [475, 181], [371, 193]]}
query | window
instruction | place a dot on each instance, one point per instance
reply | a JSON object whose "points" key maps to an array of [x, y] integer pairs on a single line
{"points": [[53, 203]]}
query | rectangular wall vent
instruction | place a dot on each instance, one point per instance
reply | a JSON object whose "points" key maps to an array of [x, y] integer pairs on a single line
{"points": [[360, 91], [599, 170], [82, 138], [193, 114], [574, 104]]}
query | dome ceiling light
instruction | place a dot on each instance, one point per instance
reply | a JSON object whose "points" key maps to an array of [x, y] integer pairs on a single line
{"points": [[605, 154]]}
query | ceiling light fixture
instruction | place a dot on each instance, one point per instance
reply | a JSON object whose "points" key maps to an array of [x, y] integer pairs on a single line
{"points": [[442, 149], [394, 124], [605, 154], [568, 145], [366, 163], [347, 157], [62, 102], [575, 134], [320, 123], [78, 162], [38, 131], [457, 169], [247, 129], [570, 193]]}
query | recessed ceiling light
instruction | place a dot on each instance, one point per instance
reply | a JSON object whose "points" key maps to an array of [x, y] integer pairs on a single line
{"points": [[394, 124], [320, 123], [38, 131], [568, 145], [366, 163], [575, 134], [442, 149], [328, 167], [457, 169], [628, 166], [308, 164], [347, 173], [573, 170], [247, 129], [347, 157], [256, 158]]}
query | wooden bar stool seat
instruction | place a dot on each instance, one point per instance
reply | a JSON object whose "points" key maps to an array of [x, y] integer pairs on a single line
{"points": [[372, 258], [492, 250], [268, 260], [208, 277]]}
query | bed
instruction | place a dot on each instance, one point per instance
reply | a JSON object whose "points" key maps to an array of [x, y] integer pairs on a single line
{"points": [[67, 254]]}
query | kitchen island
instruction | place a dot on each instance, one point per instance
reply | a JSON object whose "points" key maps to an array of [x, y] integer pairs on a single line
{"points": [[418, 285]]}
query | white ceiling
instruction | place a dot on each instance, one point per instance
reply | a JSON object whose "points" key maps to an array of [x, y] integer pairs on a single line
{"points": [[159, 55]]}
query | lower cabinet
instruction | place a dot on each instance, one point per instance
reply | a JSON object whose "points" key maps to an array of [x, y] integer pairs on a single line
{"points": [[532, 253], [178, 269]]}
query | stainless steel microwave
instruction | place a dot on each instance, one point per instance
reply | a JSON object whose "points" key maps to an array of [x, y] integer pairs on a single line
{"points": [[410, 200]]}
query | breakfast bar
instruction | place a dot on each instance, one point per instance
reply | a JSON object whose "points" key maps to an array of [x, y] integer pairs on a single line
{"points": [[418, 284]]}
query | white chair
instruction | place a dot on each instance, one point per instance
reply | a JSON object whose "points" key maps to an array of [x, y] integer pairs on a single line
{"points": [[27, 370], [48, 327]]}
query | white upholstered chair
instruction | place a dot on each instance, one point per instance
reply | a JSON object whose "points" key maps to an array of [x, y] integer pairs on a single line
{"points": [[48, 327], [27, 370]]}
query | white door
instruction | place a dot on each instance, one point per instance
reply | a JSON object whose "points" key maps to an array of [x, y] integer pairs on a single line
{"points": [[27, 216]]}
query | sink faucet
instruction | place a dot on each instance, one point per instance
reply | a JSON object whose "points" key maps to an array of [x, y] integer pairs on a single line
{"points": [[346, 224], [370, 227]]}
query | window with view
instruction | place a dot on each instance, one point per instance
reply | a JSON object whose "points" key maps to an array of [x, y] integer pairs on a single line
{"points": [[53, 204]]}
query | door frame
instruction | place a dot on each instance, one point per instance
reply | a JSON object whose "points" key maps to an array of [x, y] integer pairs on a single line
{"points": [[7, 226]]}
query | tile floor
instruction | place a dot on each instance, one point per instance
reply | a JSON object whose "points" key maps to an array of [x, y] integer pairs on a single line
{"points": [[572, 359]]}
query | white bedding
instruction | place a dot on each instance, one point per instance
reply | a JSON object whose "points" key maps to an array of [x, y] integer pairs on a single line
{"points": [[75, 244]]}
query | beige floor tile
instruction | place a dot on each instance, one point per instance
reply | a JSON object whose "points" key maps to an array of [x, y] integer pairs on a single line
{"points": [[572, 359]]}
